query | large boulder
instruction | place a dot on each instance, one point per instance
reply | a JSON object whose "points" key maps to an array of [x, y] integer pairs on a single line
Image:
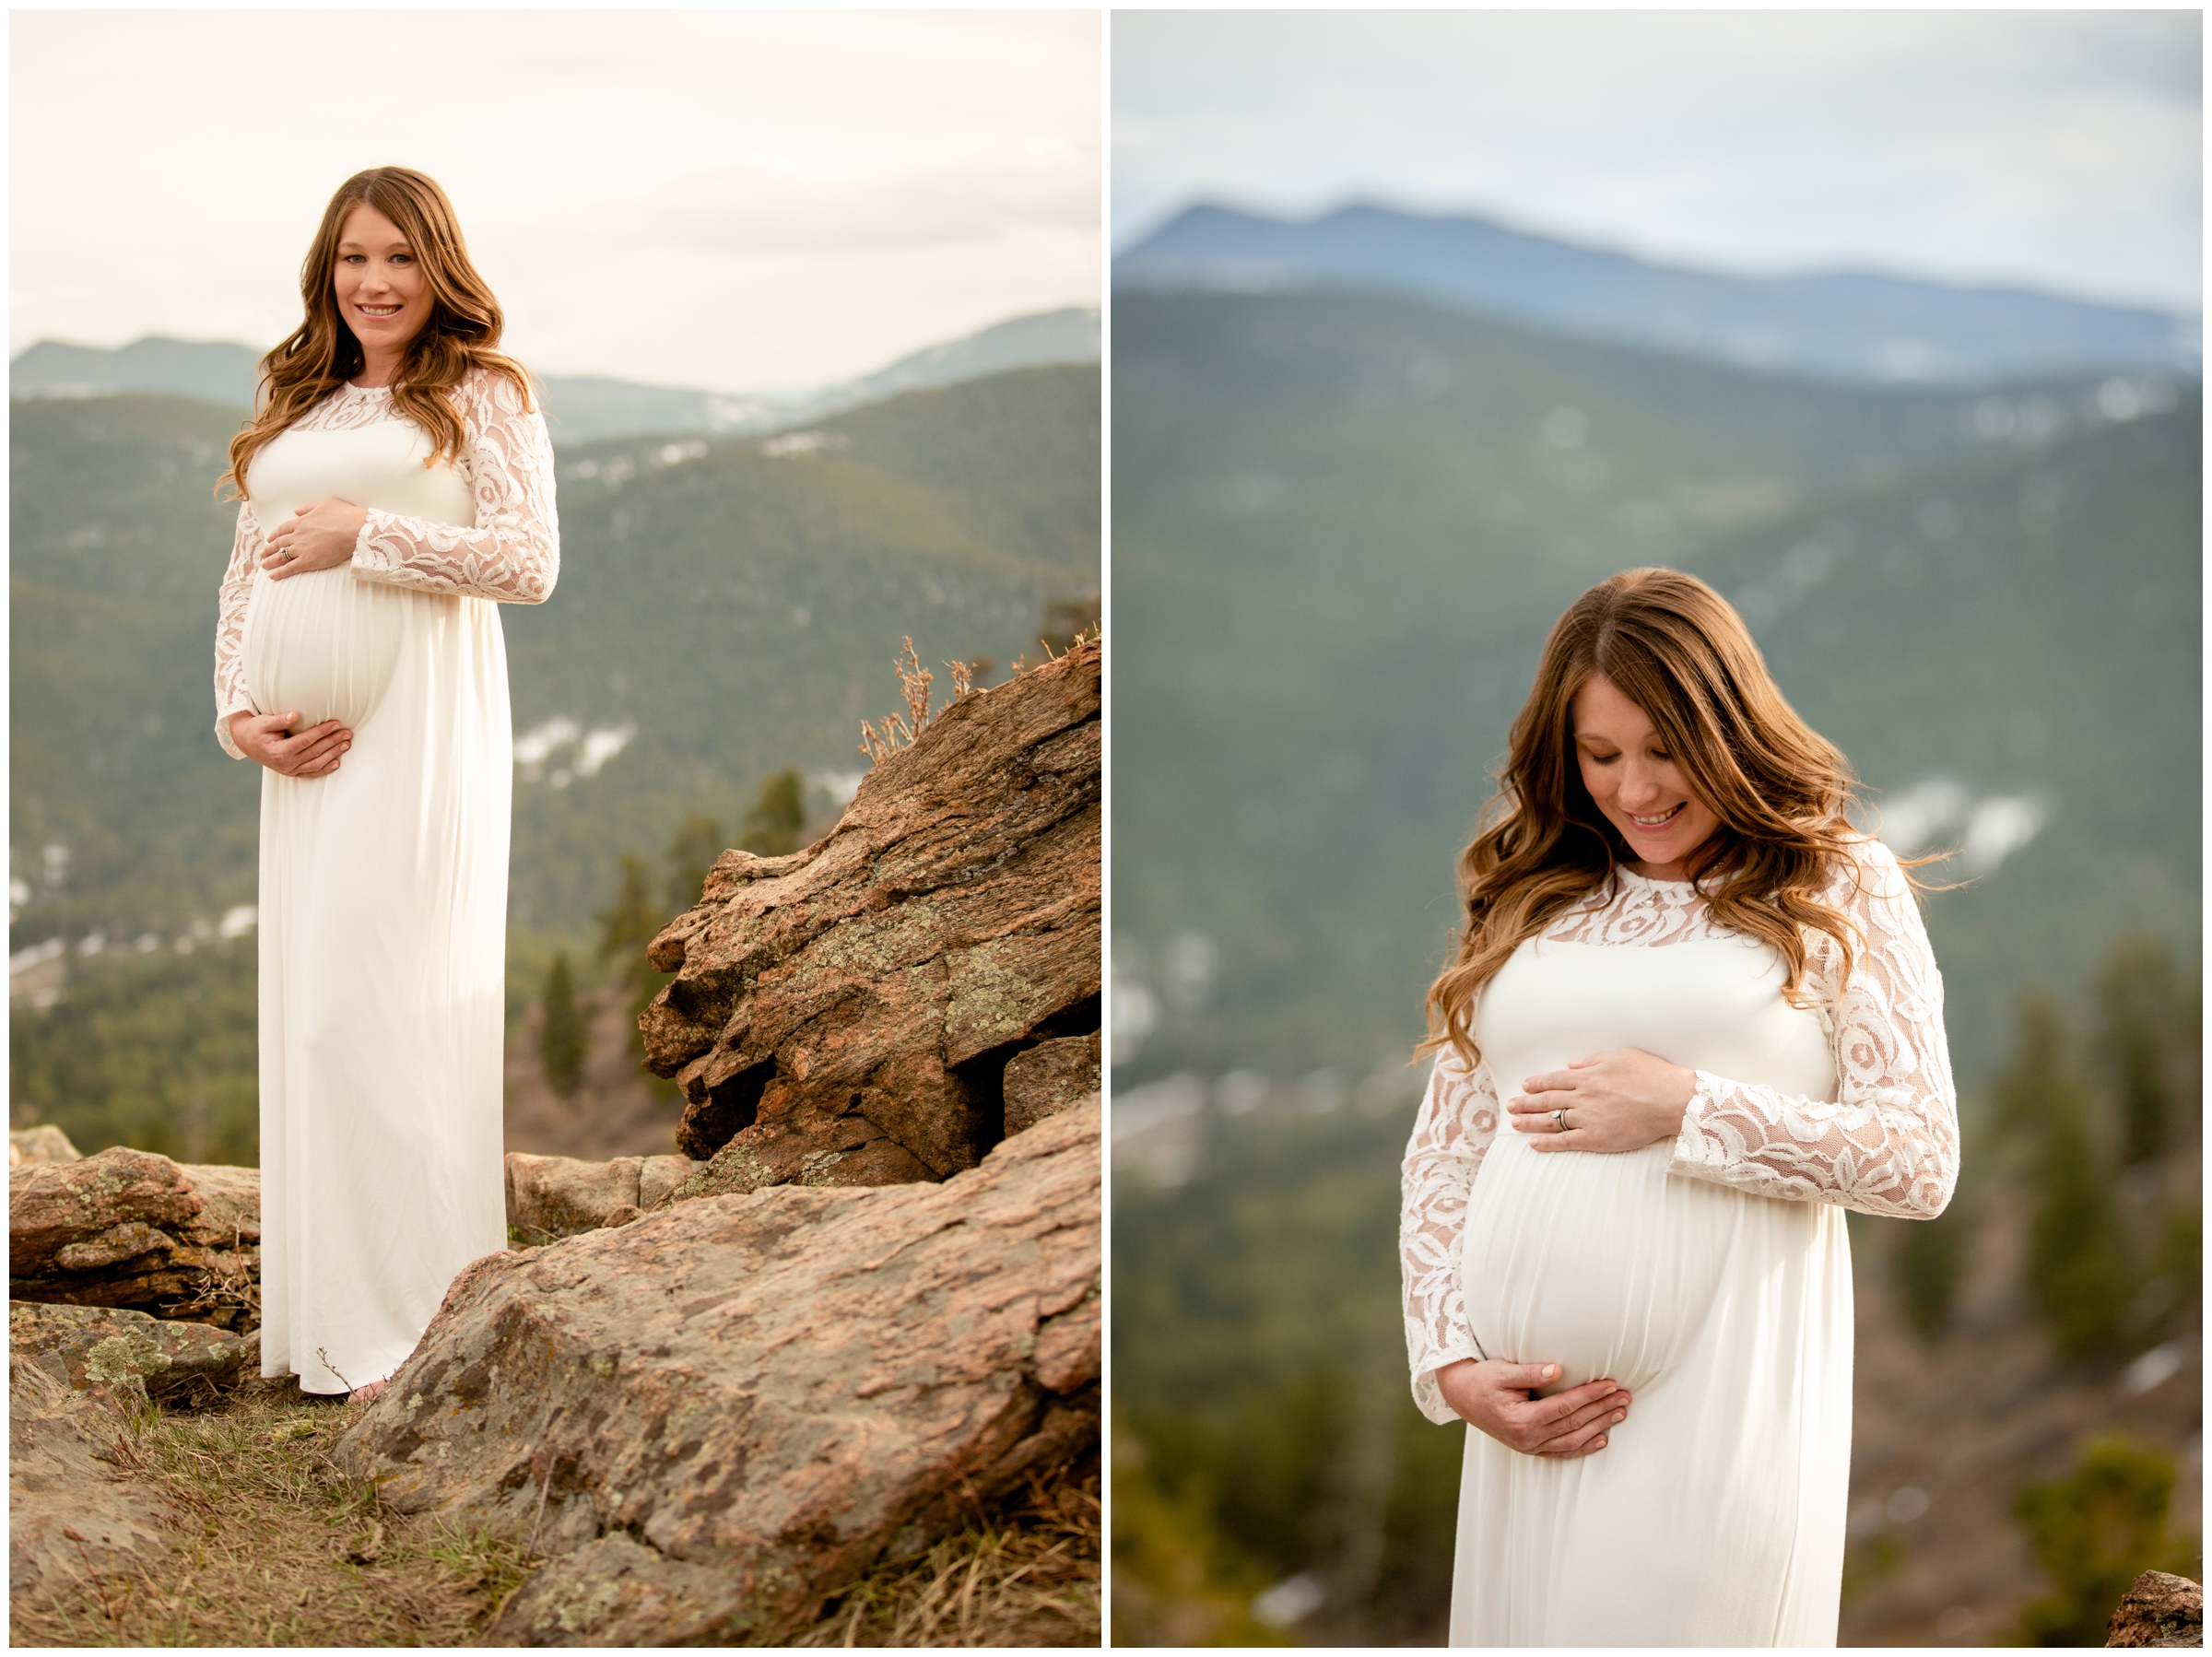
{"points": [[716, 1414], [84, 1347], [550, 1197], [130, 1228], [71, 1515], [847, 1015], [2159, 1609]]}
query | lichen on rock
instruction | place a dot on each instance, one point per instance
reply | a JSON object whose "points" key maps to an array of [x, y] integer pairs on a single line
{"points": [[720, 1413], [848, 1015]]}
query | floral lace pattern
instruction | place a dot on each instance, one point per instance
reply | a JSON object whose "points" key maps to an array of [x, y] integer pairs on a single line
{"points": [[512, 553], [230, 628], [1457, 1122], [1888, 1144]]}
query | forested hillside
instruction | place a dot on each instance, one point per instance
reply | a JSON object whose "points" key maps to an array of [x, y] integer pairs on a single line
{"points": [[728, 610], [1343, 525]]}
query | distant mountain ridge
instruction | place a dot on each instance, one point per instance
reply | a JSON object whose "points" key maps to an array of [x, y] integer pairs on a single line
{"points": [[1848, 326], [579, 408]]}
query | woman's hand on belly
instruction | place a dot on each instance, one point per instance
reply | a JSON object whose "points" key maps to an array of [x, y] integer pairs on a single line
{"points": [[269, 738], [1496, 1397], [320, 535], [1609, 1101]]}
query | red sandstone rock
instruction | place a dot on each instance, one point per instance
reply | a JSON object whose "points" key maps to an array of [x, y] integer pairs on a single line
{"points": [[847, 1015], [2159, 1609], [129, 1228], [735, 1406]]}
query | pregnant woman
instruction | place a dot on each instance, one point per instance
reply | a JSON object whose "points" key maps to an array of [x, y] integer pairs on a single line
{"points": [[1704, 1012], [398, 484]]}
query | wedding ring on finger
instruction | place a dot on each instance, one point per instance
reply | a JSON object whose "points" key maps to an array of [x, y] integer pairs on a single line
{"points": [[1560, 1117]]}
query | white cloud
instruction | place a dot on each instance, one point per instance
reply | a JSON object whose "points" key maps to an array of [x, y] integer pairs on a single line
{"points": [[919, 174]]}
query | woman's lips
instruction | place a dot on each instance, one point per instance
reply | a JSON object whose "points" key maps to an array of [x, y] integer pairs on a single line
{"points": [[1651, 824]]}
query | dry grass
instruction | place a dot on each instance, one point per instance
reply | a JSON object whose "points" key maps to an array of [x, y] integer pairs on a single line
{"points": [[272, 1543], [1024, 1578], [914, 680]]}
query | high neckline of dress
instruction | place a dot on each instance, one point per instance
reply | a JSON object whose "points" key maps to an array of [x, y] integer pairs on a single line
{"points": [[367, 391], [1633, 878]]}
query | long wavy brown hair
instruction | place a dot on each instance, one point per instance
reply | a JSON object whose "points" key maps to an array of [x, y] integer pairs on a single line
{"points": [[463, 332], [1679, 652]]}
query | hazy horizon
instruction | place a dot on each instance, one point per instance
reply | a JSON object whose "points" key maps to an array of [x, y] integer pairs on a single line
{"points": [[2056, 151], [756, 391]]}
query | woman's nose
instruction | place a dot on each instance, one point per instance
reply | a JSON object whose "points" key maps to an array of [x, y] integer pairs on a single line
{"points": [[1639, 788]]}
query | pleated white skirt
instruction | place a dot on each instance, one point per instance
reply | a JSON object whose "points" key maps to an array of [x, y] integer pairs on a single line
{"points": [[383, 943], [1714, 1516]]}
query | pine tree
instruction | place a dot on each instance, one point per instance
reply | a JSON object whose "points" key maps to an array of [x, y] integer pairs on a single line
{"points": [[630, 922], [563, 1038], [2139, 1006], [2077, 1274], [625, 929], [1929, 1261], [778, 814], [692, 853]]}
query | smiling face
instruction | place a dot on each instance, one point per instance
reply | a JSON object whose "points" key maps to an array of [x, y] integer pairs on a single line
{"points": [[380, 291], [1628, 772]]}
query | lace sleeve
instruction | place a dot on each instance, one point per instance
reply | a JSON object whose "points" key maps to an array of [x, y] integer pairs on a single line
{"points": [[231, 630], [1458, 1118], [1888, 1142], [512, 552]]}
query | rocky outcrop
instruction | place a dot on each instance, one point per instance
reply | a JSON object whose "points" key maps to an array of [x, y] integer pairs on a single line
{"points": [[2159, 1609], [70, 1515], [86, 1348], [44, 1142], [1046, 1079], [549, 1197], [716, 1414], [129, 1228], [848, 1015]]}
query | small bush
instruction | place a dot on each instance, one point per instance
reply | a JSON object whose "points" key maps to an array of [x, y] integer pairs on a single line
{"points": [[2094, 1532]]}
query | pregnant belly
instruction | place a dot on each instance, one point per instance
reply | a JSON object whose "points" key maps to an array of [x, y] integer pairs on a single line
{"points": [[1601, 1264], [323, 643]]}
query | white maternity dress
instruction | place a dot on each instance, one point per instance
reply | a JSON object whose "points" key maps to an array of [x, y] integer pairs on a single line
{"points": [[1709, 1274], [384, 885]]}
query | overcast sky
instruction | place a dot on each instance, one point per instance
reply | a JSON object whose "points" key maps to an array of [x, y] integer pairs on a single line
{"points": [[740, 201], [2059, 149]]}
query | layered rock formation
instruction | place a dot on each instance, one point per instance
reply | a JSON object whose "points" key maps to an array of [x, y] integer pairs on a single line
{"points": [[87, 1347], [549, 1197], [129, 1228], [718, 1414], [2159, 1609], [863, 1012]]}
